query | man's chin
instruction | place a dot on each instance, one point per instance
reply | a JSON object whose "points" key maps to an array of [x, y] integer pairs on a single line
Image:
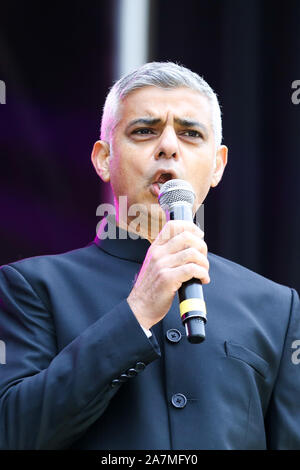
{"points": [[146, 219]]}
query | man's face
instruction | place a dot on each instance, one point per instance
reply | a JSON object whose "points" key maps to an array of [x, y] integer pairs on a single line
{"points": [[163, 134]]}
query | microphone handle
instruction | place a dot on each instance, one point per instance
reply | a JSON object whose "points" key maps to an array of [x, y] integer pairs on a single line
{"points": [[191, 300]]}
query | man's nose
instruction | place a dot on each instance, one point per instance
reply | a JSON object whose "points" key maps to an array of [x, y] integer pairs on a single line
{"points": [[168, 144]]}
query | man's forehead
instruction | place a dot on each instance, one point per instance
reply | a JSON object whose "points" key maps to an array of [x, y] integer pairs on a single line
{"points": [[151, 102]]}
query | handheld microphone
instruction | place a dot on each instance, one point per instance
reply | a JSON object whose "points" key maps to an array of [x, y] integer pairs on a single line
{"points": [[176, 197]]}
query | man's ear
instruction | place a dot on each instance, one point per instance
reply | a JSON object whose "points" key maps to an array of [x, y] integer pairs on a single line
{"points": [[220, 163], [100, 159]]}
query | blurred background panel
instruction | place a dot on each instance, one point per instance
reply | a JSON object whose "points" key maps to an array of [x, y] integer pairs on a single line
{"points": [[58, 61]]}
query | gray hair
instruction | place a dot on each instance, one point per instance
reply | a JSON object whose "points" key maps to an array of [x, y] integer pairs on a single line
{"points": [[162, 75]]}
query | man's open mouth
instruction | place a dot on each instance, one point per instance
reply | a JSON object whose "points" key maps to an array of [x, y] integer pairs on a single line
{"points": [[159, 181]]}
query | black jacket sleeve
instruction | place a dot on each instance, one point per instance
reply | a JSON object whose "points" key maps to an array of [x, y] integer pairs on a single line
{"points": [[49, 398]]}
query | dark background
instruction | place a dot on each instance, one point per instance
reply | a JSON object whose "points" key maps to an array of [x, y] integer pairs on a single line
{"points": [[57, 61]]}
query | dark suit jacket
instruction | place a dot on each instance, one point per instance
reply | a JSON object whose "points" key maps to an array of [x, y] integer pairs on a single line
{"points": [[73, 374]]}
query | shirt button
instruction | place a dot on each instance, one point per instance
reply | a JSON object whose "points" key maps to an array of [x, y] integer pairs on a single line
{"points": [[179, 400], [123, 378], [131, 372], [115, 383], [140, 366], [173, 335]]}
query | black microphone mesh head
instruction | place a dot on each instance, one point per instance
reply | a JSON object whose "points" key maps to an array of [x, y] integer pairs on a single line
{"points": [[175, 192]]}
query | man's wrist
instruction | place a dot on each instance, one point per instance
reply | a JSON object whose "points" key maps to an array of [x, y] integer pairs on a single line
{"points": [[145, 326]]}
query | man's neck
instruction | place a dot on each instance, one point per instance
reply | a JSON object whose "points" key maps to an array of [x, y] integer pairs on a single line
{"points": [[145, 228]]}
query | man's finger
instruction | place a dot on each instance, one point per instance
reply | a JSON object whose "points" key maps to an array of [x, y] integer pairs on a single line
{"points": [[174, 227]]}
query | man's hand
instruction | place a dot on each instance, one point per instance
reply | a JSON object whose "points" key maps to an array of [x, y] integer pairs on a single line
{"points": [[178, 254]]}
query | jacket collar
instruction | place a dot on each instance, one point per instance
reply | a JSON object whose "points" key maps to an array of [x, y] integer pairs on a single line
{"points": [[120, 243]]}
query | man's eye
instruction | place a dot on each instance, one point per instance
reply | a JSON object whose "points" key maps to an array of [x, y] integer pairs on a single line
{"points": [[143, 131], [191, 133]]}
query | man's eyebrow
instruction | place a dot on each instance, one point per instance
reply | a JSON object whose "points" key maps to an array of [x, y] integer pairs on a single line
{"points": [[186, 122], [148, 121]]}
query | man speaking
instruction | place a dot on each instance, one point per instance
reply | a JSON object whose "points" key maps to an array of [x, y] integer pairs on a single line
{"points": [[97, 355]]}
